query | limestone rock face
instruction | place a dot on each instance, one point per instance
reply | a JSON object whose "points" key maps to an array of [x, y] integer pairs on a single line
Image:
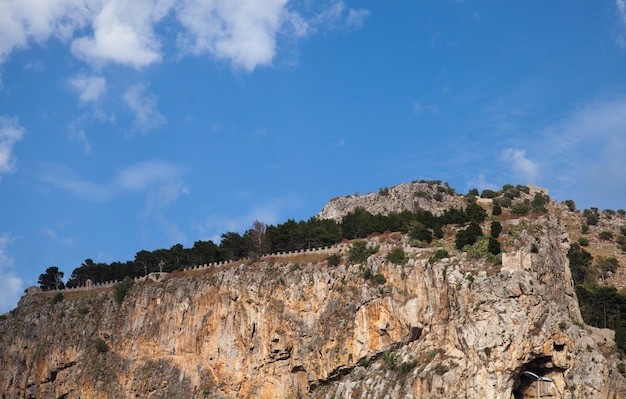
{"points": [[291, 328], [408, 196]]}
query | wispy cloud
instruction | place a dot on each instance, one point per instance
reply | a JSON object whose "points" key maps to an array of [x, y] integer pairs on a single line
{"points": [[480, 182], [11, 286], [585, 151], [524, 169], [171, 230], [141, 175], [357, 17], [52, 234], [270, 212], [90, 88], [77, 133], [138, 178], [621, 9], [165, 194], [144, 108], [419, 108], [620, 36], [62, 177], [10, 133]]}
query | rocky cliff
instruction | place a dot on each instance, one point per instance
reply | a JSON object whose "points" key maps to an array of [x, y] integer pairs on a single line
{"points": [[295, 327]]}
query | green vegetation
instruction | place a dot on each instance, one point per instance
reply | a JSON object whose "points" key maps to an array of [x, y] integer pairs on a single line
{"points": [[439, 254], [122, 288], [600, 306], [397, 256], [51, 279], [359, 252], [421, 233], [58, 297], [391, 361], [333, 260], [606, 235], [591, 216], [496, 229], [579, 263], [604, 307], [378, 278], [606, 265], [621, 242], [487, 247], [583, 241], [539, 203], [101, 346], [520, 209], [488, 194], [571, 205], [468, 236], [422, 226]]}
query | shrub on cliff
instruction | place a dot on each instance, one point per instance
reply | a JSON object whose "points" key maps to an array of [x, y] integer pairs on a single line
{"points": [[359, 252], [333, 260], [475, 213], [579, 263], [122, 287], [496, 229], [468, 236], [488, 194], [520, 209], [420, 232], [397, 256]]}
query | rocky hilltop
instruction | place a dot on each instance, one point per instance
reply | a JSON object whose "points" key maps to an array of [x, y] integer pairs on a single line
{"points": [[436, 324]]}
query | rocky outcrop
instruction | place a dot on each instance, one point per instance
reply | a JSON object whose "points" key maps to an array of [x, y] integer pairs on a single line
{"points": [[413, 196], [297, 327]]}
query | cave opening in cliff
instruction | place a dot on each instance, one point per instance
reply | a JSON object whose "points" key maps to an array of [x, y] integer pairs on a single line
{"points": [[534, 376]]}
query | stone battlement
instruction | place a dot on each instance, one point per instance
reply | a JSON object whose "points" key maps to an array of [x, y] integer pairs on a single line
{"points": [[510, 261]]}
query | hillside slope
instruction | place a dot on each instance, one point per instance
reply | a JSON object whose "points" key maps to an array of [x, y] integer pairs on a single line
{"points": [[294, 326]]}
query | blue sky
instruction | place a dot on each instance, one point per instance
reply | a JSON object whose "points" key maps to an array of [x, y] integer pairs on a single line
{"points": [[129, 125]]}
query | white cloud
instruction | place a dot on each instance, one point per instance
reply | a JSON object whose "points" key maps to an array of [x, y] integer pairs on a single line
{"points": [[10, 133], [432, 109], [22, 21], [621, 8], [123, 33], [173, 233], [89, 87], [417, 107], [144, 108], [165, 194], [480, 183], [11, 286], [140, 176], [52, 234], [523, 167], [243, 31], [357, 17], [76, 133], [585, 153], [61, 177]]}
